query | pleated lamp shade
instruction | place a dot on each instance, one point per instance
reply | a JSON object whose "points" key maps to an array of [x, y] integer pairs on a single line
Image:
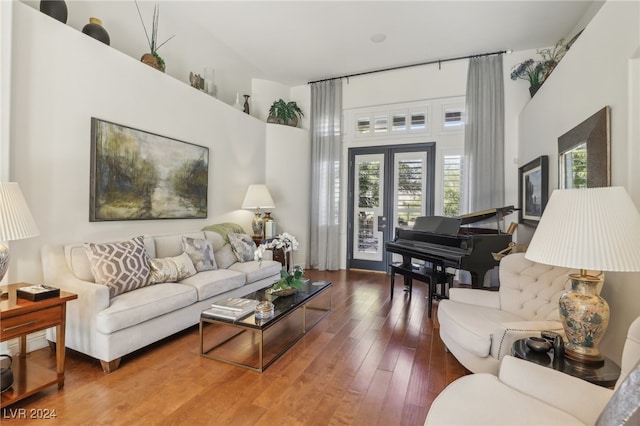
{"points": [[592, 228], [16, 221]]}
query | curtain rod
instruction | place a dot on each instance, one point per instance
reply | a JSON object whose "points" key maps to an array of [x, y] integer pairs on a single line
{"points": [[438, 61]]}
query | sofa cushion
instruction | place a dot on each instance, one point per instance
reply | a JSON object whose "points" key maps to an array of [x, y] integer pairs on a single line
{"points": [[222, 252], [462, 324], [78, 261], [171, 269], [170, 245], [201, 253], [212, 283], [121, 266], [138, 306], [255, 271], [242, 245]]}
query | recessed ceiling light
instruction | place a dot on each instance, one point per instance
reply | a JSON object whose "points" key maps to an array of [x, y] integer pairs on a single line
{"points": [[378, 38]]}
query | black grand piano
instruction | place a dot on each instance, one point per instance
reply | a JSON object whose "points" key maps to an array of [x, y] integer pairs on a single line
{"points": [[448, 242]]}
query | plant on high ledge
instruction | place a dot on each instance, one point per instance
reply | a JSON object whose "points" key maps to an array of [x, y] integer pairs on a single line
{"points": [[536, 72], [528, 70], [153, 59], [282, 112]]}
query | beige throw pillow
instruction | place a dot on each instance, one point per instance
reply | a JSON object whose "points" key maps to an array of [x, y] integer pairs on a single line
{"points": [[171, 269], [242, 245], [200, 252], [121, 266]]}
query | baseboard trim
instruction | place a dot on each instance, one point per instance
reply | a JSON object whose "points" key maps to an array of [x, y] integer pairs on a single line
{"points": [[35, 341]]}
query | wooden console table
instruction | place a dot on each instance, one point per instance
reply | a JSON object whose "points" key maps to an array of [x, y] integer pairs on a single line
{"points": [[20, 317]]}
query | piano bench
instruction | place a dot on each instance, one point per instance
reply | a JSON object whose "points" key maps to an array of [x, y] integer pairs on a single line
{"points": [[426, 275]]}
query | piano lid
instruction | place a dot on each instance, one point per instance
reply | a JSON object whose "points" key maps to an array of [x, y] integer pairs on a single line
{"points": [[438, 224], [497, 213]]}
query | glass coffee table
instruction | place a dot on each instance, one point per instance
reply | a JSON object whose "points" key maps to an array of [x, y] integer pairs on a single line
{"points": [[256, 343]]}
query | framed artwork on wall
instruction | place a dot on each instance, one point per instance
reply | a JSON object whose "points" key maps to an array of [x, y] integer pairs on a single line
{"points": [[584, 153], [533, 193], [137, 175]]}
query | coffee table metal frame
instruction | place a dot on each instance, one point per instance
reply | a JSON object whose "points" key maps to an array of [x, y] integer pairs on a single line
{"points": [[319, 302]]}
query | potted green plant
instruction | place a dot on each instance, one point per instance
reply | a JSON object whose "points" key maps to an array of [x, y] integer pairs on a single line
{"points": [[282, 112], [531, 71], [288, 284], [536, 72], [153, 59]]}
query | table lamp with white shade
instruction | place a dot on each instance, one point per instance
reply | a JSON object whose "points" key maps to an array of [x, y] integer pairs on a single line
{"points": [[590, 229], [16, 221], [258, 197]]}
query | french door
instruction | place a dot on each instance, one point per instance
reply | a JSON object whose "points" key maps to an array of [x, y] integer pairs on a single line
{"points": [[389, 186]]}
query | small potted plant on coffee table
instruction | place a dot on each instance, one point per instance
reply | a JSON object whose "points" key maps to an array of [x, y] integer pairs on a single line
{"points": [[289, 283]]}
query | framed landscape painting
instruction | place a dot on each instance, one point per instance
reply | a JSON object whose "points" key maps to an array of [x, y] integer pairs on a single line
{"points": [[533, 190], [136, 175]]}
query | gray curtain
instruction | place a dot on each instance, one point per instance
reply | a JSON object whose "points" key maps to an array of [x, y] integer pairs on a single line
{"points": [[326, 149], [483, 178]]}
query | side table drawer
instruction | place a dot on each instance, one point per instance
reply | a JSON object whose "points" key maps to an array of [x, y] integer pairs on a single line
{"points": [[30, 322]]}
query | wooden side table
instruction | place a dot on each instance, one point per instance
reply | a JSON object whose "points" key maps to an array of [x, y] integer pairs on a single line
{"points": [[20, 317], [603, 374]]}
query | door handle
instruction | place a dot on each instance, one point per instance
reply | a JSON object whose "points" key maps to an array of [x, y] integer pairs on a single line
{"points": [[382, 223]]}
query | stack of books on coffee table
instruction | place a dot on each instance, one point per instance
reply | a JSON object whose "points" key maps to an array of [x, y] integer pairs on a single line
{"points": [[232, 308]]}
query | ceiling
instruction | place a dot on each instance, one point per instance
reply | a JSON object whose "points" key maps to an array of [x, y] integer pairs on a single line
{"points": [[294, 42]]}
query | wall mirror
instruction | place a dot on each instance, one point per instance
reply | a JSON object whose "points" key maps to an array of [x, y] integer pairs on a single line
{"points": [[584, 154]]}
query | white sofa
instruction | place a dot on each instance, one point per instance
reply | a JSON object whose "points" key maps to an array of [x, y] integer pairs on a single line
{"points": [[525, 393], [479, 327], [107, 327]]}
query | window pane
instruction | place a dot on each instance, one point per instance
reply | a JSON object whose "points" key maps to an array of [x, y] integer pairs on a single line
{"points": [[369, 184], [380, 124], [364, 125], [399, 123], [367, 240], [452, 182], [453, 118], [418, 121], [410, 175]]}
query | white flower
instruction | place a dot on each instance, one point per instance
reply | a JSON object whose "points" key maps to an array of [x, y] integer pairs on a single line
{"points": [[284, 241], [259, 253]]}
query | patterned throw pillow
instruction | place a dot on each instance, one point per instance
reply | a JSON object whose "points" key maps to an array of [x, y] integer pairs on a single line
{"points": [[242, 245], [171, 269], [121, 266], [201, 253]]}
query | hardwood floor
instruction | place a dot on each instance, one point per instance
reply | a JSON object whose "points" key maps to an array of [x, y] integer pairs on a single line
{"points": [[372, 361]]}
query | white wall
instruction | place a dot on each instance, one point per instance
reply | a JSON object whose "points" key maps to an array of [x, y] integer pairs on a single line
{"points": [[6, 8], [288, 177], [191, 50], [60, 79], [598, 70]]}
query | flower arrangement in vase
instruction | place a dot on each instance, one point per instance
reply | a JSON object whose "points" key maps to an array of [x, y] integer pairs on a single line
{"points": [[290, 280]]}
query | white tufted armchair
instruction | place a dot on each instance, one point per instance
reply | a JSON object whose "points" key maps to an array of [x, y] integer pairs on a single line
{"points": [[479, 327], [525, 393]]}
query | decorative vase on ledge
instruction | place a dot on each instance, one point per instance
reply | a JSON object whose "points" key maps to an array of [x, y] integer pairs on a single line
{"points": [[57, 9], [152, 61], [534, 88], [95, 29]]}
